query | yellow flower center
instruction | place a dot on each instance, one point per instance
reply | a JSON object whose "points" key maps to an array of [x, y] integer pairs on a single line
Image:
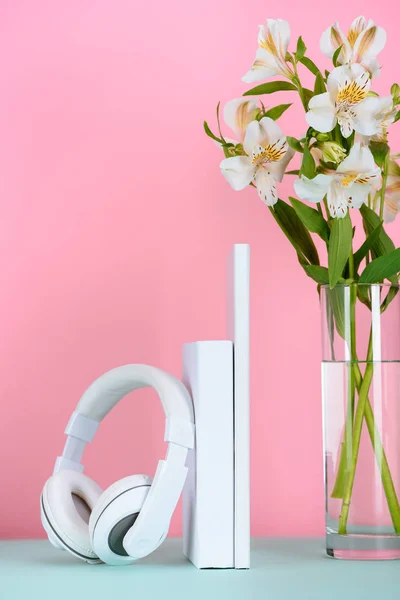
{"points": [[347, 180], [350, 178], [351, 94], [268, 153]]}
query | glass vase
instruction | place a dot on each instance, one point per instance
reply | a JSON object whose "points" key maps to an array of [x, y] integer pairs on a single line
{"points": [[361, 409]]}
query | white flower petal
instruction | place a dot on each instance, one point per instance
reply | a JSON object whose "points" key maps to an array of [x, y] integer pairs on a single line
{"points": [[365, 121], [321, 113], [253, 137], [314, 189], [263, 67], [278, 168], [357, 195], [372, 66], [330, 41], [266, 186], [337, 79], [238, 171], [239, 113], [261, 133], [337, 201], [346, 127], [369, 43], [280, 32], [360, 160], [356, 28], [271, 131], [391, 207]]}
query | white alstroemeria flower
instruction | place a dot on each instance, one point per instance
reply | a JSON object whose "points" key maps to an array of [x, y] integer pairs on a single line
{"points": [[273, 41], [267, 156], [362, 44], [383, 118], [346, 102], [392, 196], [347, 187], [238, 114]]}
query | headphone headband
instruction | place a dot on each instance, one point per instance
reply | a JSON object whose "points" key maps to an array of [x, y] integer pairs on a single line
{"points": [[106, 391]]}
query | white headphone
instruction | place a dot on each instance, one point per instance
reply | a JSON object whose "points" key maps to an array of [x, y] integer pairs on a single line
{"points": [[131, 518]]}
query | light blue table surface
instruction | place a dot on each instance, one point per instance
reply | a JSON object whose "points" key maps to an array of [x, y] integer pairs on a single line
{"points": [[290, 569]]}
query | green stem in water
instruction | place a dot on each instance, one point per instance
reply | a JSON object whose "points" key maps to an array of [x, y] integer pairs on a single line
{"points": [[364, 409], [347, 444]]}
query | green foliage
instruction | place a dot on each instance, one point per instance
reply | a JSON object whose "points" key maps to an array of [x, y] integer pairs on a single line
{"points": [[308, 165], [383, 245], [379, 150], [367, 246], [310, 65], [295, 231], [317, 273], [381, 268], [319, 86], [339, 248], [210, 133], [270, 88], [336, 301], [301, 49], [294, 143], [277, 111], [312, 219], [335, 56]]}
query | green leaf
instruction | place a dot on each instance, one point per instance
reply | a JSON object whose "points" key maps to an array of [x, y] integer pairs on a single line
{"points": [[379, 151], [383, 245], [277, 111], [397, 117], [335, 298], [319, 87], [311, 219], [394, 168], [366, 246], [219, 125], [311, 66], [308, 94], [339, 248], [327, 73], [210, 133], [319, 274], [301, 49], [270, 88], [392, 293], [308, 165], [335, 56], [295, 231], [294, 143], [383, 267], [294, 172]]}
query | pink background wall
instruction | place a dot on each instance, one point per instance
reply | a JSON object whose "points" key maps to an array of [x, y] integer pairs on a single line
{"points": [[114, 228]]}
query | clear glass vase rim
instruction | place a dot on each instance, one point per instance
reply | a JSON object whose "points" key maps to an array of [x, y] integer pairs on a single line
{"points": [[326, 286]]}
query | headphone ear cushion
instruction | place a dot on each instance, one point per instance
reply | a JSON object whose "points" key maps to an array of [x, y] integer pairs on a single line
{"points": [[68, 499], [114, 514]]}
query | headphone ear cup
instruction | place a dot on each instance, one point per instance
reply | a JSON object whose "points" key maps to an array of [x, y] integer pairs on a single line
{"points": [[67, 500], [114, 514]]}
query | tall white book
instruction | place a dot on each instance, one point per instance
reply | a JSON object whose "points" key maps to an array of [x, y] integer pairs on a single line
{"points": [[208, 496], [238, 331]]}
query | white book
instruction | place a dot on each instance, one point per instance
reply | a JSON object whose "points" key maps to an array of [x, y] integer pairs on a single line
{"points": [[238, 331], [208, 496]]}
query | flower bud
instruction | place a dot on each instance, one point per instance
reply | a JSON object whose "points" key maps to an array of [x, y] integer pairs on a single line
{"points": [[323, 137], [395, 91], [332, 152]]}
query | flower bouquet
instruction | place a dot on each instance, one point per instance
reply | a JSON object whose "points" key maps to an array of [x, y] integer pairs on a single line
{"points": [[349, 173]]}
